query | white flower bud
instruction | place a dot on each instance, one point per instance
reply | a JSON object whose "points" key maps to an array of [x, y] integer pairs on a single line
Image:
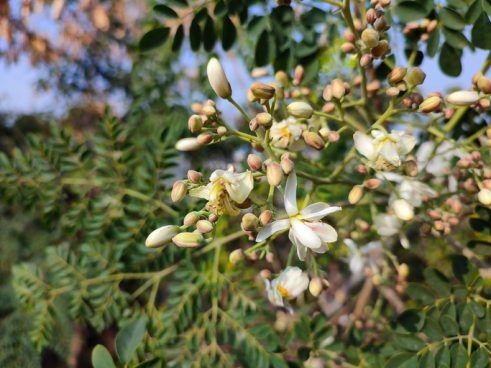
{"points": [[190, 219], [463, 98], [254, 162], [300, 109], [187, 144], [316, 286], [204, 226], [274, 174], [249, 222], [218, 79], [403, 209], [286, 163], [484, 196], [265, 217], [236, 256], [355, 194], [179, 190], [194, 176], [195, 123], [188, 240], [161, 236]]}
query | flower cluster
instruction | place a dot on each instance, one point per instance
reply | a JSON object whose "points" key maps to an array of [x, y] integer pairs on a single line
{"points": [[404, 182]]}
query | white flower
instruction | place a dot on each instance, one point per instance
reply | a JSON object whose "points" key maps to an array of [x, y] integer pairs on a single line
{"points": [[285, 133], [384, 150], [437, 162], [367, 256], [387, 225], [306, 231], [403, 209], [409, 189], [223, 187], [287, 286]]}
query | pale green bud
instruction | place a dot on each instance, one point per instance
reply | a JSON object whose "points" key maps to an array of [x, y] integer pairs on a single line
{"points": [[300, 109], [188, 240], [161, 236]]}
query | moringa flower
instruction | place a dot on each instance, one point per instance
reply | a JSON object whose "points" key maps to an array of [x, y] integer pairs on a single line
{"points": [[306, 231], [224, 187], [384, 150], [287, 286], [218, 79], [286, 133]]}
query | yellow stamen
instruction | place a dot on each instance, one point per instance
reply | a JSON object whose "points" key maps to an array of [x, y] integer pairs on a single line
{"points": [[283, 291]]}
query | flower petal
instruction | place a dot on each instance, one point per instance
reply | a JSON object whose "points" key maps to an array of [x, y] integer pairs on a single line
{"points": [[324, 231], [240, 188], [305, 235], [406, 144], [364, 145], [301, 250], [389, 152], [201, 192], [272, 228], [291, 195], [318, 210]]}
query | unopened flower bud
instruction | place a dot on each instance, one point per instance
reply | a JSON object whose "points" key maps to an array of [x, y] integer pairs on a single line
{"points": [[315, 286], [218, 79], [463, 98], [190, 219], [274, 174], [195, 123], [392, 91], [213, 217], [397, 75], [347, 47], [264, 119], [187, 144], [300, 109], [338, 89], [265, 217], [262, 91], [415, 76], [161, 236], [282, 77], [411, 168], [179, 190], [265, 273], [328, 107], [366, 60], [249, 222], [298, 75], [188, 240], [484, 84], [382, 49], [403, 209], [403, 270], [333, 136], [194, 176], [286, 163], [221, 131], [324, 132], [373, 183], [355, 194], [197, 107], [204, 226], [209, 110], [371, 16], [313, 139], [484, 196], [327, 93], [381, 24], [370, 37], [236, 256], [204, 138], [430, 104], [254, 162]]}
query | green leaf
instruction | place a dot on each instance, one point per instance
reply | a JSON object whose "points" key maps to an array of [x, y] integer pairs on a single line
{"points": [[209, 34], [465, 318], [442, 358], [178, 3], [449, 60], [479, 358], [420, 293], [101, 358], [408, 342], [220, 9], [427, 360], [408, 11], [464, 270], [449, 325], [433, 44], [178, 38], [481, 31], [261, 55], [229, 33], [478, 309], [278, 362], [154, 38], [437, 281], [458, 356], [473, 12], [451, 19], [195, 34], [129, 337], [412, 320], [455, 38], [166, 11], [432, 329], [403, 360]]}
